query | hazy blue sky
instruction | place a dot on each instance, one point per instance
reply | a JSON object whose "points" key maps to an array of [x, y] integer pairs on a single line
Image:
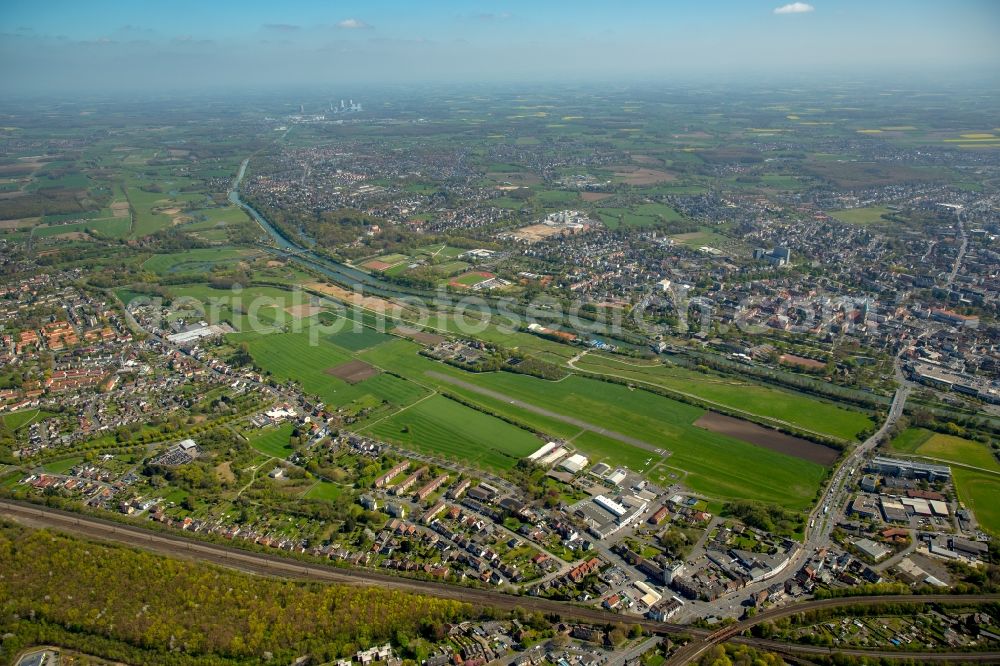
{"points": [[48, 45]]}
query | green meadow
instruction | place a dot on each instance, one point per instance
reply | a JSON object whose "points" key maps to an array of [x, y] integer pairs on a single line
{"points": [[272, 441], [794, 408], [713, 464], [445, 427]]}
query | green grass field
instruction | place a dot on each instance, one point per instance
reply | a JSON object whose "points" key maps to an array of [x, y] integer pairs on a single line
{"points": [[294, 356], [910, 439], [921, 442], [24, 418], [63, 465], [469, 279], [353, 341], [979, 492], [146, 204], [116, 227], [703, 238], [324, 490], [449, 268], [272, 441], [715, 465], [443, 426], [440, 251], [861, 215], [193, 261], [793, 408]]}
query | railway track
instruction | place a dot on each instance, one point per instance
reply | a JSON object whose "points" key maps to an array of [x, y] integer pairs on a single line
{"points": [[274, 565]]}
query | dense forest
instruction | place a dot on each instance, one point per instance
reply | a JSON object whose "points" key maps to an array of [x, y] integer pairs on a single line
{"points": [[96, 595]]}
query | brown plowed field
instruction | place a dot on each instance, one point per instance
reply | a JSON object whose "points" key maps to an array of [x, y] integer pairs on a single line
{"points": [[767, 438]]}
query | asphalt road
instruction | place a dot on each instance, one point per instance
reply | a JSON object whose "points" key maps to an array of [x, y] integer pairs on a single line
{"points": [[180, 546]]}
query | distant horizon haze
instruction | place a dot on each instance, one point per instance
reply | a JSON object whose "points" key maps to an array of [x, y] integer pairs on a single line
{"points": [[114, 46]]}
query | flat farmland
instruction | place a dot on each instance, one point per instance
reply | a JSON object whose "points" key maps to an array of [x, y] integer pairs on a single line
{"points": [[793, 408], [713, 464], [771, 439], [111, 227], [353, 372], [442, 426], [157, 210]]}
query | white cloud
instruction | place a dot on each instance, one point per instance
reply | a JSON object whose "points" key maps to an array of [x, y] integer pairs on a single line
{"points": [[353, 24], [794, 8]]}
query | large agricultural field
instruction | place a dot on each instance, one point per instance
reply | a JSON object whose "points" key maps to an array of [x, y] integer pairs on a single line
{"points": [[716, 465]]}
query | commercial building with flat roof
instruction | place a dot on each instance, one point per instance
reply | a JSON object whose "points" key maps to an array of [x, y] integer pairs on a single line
{"points": [[909, 469]]}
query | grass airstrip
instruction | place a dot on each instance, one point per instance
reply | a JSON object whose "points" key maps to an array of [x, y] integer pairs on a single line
{"points": [[406, 400], [713, 464]]}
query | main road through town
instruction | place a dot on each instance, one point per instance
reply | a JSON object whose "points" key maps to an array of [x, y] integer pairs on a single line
{"points": [[184, 547]]}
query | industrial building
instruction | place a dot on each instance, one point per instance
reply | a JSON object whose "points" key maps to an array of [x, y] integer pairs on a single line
{"points": [[909, 469]]}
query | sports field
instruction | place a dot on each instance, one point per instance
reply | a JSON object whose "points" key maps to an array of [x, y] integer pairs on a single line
{"points": [[443, 426], [793, 408], [272, 441], [869, 215]]}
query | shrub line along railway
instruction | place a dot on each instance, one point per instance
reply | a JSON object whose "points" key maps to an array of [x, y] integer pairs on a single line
{"points": [[179, 546]]}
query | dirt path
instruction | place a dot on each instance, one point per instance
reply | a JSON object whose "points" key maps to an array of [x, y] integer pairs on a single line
{"points": [[632, 441]]}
